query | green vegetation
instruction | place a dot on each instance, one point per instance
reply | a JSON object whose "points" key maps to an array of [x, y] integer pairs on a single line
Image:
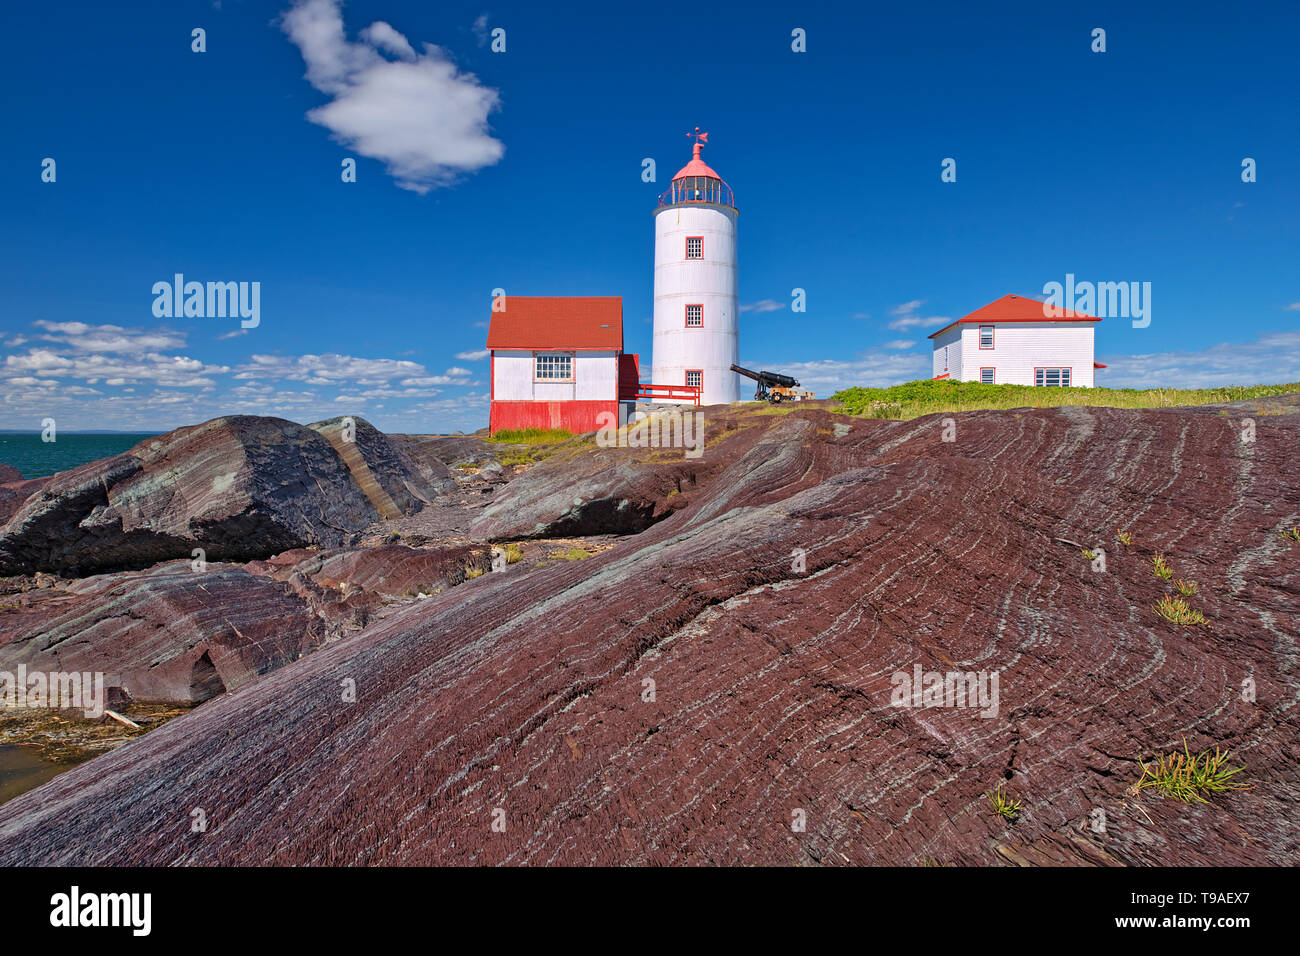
{"points": [[572, 554], [1161, 567], [1003, 805], [512, 553], [473, 572], [1185, 588], [1187, 778], [1292, 534], [1177, 611], [1088, 555], [913, 399], [1124, 537], [531, 436]]}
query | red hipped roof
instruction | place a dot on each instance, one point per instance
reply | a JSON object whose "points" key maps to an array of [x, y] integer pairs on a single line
{"points": [[1016, 308], [558, 322]]}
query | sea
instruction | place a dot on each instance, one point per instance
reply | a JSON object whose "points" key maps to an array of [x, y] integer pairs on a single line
{"points": [[36, 458]]}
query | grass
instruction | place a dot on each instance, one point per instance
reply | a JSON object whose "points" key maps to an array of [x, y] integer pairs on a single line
{"points": [[473, 572], [1185, 588], [1124, 537], [1003, 805], [1181, 776], [1088, 555], [1161, 567], [572, 554], [913, 399], [1177, 611], [530, 436], [1291, 534], [512, 553]]}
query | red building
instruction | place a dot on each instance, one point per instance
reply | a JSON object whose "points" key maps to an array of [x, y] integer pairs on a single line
{"points": [[558, 362]]}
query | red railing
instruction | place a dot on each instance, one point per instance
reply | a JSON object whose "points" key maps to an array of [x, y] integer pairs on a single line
{"points": [[686, 393]]}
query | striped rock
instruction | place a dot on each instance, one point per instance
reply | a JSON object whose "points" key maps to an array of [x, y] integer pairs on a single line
{"points": [[720, 688]]}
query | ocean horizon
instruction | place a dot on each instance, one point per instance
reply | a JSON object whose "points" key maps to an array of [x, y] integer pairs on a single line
{"points": [[35, 458]]}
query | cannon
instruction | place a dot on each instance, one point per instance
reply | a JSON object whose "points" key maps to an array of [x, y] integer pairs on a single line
{"points": [[774, 387]]}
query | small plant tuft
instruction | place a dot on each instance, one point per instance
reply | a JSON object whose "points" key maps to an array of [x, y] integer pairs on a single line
{"points": [[1177, 611], [1161, 567], [1291, 534], [1003, 805], [1185, 588], [1124, 537], [1184, 777], [1088, 555]]}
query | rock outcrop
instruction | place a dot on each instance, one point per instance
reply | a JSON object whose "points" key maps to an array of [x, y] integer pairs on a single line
{"points": [[239, 488], [722, 687], [183, 633]]}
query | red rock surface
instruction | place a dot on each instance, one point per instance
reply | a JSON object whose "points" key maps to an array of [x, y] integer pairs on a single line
{"points": [[166, 634], [525, 693]]}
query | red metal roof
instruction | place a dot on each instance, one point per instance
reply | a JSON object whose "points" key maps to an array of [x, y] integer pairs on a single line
{"points": [[1016, 308], [558, 322], [1097, 365]]}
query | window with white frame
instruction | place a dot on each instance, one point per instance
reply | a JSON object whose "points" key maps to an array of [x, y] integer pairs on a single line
{"points": [[694, 316], [553, 367], [1052, 377], [694, 377], [987, 376], [694, 247], [986, 336]]}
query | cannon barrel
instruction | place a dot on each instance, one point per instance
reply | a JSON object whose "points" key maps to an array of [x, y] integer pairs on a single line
{"points": [[767, 378]]}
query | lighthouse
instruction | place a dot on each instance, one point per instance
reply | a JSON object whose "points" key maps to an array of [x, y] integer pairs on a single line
{"points": [[696, 334]]}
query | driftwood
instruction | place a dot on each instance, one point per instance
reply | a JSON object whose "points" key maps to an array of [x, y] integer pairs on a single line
{"points": [[120, 719]]}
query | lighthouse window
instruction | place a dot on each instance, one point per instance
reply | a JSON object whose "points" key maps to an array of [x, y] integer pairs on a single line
{"points": [[986, 336], [550, 367], [694, 378], [694, 316], [694, 247]]}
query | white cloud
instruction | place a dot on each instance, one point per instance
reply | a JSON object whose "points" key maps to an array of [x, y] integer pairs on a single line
{"points": [[763, 305], [477, 356], [1293, 307], [907, 307], [899, 344], [328, 369], [480, 29], [919, 322], [419, 114], [83, 337]]}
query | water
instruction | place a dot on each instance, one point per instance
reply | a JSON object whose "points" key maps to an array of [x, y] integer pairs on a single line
{"points": [[34, 458], [21, 770]]}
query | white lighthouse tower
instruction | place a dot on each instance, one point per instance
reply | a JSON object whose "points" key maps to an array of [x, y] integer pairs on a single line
{"points": [[696, 335]]}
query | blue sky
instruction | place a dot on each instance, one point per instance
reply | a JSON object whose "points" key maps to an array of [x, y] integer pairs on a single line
{"points": [[522, 170]]}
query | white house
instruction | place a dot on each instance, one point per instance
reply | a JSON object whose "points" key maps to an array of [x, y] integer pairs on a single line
{"points": [[558, 362], [1018, 341]]}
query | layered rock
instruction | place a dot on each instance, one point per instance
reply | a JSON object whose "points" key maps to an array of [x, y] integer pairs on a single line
{"points": [[239, 488], [183, 633], [691, 694]]}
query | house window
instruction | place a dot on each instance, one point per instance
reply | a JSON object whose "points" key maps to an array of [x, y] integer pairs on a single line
{"points": [[694, 377], [694, 247], [986, 336], [552, 367], [1052, 377], [987, 375], [694, 316]]}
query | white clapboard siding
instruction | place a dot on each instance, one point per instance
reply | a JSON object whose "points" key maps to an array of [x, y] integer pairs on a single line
{"points": [[595, 378], [1021, 347]]}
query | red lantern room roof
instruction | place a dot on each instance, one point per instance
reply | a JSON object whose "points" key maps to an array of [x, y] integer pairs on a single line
{"points": [[697, 166], [697, 182]]}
